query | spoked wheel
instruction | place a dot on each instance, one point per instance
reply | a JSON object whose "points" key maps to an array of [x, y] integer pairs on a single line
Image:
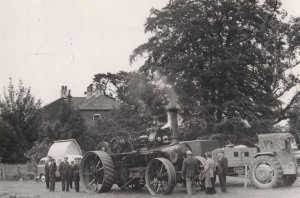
{"points": [[103, 146], [97, 171], [265, 172], [160, 176]]}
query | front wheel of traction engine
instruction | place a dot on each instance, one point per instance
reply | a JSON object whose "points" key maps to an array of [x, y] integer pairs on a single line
{"points": [[160, 176], [265, 171], [97, 172]]}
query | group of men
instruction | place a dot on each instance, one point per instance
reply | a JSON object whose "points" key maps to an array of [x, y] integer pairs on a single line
{"points": [[68, 172], [191, 171]]}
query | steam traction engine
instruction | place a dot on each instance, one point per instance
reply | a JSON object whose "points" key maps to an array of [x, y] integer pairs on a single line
{"points": [[154, 160]]}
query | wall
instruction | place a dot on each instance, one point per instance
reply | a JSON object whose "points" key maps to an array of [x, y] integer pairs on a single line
{"points": [[15, 171]]}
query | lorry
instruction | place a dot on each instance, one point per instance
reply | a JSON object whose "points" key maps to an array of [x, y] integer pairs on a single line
{"points": [[274, 162], [58, 150]]}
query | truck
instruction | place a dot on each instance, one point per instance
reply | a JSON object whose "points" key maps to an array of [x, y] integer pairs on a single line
{"points": [[274, 162]]}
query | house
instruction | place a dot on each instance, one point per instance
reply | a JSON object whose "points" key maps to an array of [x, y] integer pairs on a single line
{"points": [[93, 106]]}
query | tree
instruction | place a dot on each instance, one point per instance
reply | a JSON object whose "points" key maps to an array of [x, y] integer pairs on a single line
{"points": [[20, 120], [226, 59], [69, 125]]}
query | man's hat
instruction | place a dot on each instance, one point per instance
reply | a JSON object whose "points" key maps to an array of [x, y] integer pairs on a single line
{"points": [[208, 154]]}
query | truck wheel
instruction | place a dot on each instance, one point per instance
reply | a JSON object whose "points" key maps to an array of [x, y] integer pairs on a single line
{"points": [[265, 171], [97, 171], [160, 176], [289, 180]]}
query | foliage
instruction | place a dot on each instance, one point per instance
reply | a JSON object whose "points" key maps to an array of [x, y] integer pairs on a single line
{"points": [[38, 151], [69, 125], [228, 60], [294, 123], [20, 120]]}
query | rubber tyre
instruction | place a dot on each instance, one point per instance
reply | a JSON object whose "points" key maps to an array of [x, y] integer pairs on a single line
{"points": [[108, 169], [170, 172], [271, 162]]}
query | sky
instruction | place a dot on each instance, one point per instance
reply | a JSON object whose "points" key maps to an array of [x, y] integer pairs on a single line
{"points": [[50, 43]]}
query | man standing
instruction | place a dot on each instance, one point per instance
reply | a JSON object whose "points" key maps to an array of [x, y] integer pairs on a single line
{"points": [[209, 169], [52, 175], [64, 169], [48, 162], [190, 169], [76, 177], [71, 175], [222, 170]]}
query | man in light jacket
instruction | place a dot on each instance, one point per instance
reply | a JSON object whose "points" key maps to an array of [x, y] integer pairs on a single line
{"points": [[209, 169]]}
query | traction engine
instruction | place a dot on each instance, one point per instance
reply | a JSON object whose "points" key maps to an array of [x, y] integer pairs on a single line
{"points": [[154, 160]]}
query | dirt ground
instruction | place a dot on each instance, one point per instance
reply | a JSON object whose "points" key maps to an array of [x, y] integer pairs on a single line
{"points": [[31, 189]]}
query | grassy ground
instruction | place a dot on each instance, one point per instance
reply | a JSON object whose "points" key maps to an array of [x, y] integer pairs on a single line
{"points": [[235, 189]]}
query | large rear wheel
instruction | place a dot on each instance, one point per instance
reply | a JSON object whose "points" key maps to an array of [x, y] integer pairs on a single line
{"points": [[160, 176], [97, 171], [266, 171]]}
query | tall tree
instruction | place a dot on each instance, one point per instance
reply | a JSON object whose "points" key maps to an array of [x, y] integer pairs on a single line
{"points": [[19, 111], [69, 125], [227, 59]]}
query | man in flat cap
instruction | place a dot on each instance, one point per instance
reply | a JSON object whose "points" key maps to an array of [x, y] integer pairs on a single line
{"points": [[222, 170], [190, 169]]}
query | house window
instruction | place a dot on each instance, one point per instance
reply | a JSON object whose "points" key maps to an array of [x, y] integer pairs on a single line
{"points": [[96, 117], [235, 154], [246, 154]]}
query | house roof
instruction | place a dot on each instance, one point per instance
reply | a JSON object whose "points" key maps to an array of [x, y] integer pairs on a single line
{"points": [[76, 101], [100, 102]]}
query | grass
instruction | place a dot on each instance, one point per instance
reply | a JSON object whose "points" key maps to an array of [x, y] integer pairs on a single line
{"points": [[31, 189]]}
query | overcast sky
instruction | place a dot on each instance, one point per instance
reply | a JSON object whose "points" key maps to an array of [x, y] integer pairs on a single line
{"points": [[49, 43]]}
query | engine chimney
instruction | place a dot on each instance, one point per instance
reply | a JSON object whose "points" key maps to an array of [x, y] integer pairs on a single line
{"points": [[172, 122]]}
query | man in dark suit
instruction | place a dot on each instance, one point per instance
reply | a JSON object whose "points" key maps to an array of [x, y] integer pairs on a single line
{"points": [[190, 169], [75, 170], [52, 175], [222, 170], [47, 171], [64, 169], [71, 175]]}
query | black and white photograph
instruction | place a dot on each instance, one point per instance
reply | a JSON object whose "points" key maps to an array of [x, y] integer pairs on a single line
{"points": [[149, 98]]}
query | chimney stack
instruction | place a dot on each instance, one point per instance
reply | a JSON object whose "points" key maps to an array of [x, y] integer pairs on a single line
{"points": [[172, 122], [89, 91], [63, 92], [99, 90]]}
